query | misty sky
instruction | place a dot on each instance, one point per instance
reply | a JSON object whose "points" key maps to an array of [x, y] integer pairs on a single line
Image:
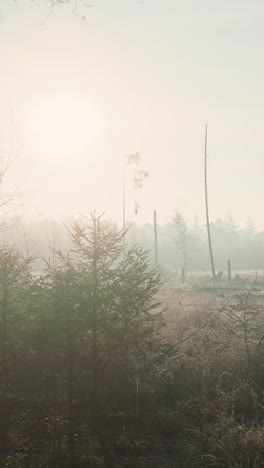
{"points": [[136, 76]]}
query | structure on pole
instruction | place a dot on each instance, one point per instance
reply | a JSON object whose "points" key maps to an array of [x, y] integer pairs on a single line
{"points": [[138, 176], [207, 209], [156, 238]]}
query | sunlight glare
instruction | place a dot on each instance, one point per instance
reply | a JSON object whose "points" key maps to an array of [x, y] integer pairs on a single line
{"points": [[62, 125]]}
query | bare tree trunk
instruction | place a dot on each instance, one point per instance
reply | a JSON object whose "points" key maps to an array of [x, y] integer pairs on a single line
{"points": [[4, 407], [207, 209], [156, 238], [95, 324], [185, 252], [124, 205], [183, 275], [229, 271], [70, 400]]}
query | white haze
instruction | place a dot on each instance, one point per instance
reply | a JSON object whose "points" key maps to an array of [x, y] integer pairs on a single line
{"points": [[132, 77]]}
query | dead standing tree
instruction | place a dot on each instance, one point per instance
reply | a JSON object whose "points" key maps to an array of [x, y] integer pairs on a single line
{"points": [[10, 150], [207, 209]]}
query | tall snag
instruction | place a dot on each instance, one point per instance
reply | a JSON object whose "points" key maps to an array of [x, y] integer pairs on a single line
{"points": [[207, 209]]}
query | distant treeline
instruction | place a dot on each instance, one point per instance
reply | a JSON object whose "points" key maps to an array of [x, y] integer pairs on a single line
{"points": [[178, 242], [245, 247]]}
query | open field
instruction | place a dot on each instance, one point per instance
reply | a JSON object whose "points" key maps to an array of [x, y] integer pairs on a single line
{"points": [[211, 403]]}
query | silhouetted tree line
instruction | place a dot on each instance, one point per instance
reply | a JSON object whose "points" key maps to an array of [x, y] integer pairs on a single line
{"points": [[182, 244], [179, 243]]}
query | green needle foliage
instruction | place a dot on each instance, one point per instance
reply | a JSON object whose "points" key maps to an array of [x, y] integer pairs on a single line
{"points": [[91, 375], [80, 333]]}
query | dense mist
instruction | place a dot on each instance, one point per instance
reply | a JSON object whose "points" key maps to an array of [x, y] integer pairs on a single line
{"points": [[231, 242], [131, 300]]}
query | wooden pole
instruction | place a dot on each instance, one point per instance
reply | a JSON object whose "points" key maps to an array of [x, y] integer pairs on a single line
{"points": [[207, 209], [183, 275], [124, 204], [229, 271], [156, 238]]}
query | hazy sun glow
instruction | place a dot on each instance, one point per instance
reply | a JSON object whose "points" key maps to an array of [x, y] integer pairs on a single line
{"points": [[62, 125]]}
